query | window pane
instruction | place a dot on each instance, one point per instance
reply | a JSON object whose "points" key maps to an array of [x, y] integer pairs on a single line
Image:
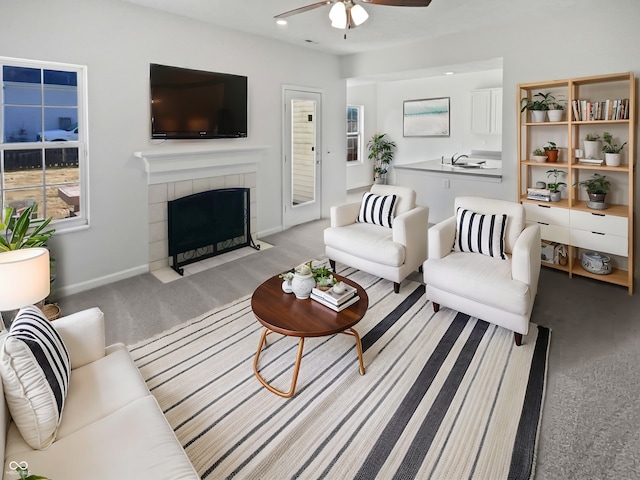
{"points": [[21, 124], [60, 124], [21, 85], [63, 202], [352, 120], [60, 88], [63, 159], [352, 149], [21, 199], [23, 168]]}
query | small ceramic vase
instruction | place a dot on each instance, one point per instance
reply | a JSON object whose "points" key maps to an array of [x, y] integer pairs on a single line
{"points": [[302, 285]]}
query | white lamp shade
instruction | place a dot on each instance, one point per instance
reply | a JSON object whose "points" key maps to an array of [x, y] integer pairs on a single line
{"points": [[359, 15], [338, 15], [24, 277]]}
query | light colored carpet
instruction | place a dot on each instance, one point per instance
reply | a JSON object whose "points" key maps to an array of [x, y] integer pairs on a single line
{"points": [[444, 396]]}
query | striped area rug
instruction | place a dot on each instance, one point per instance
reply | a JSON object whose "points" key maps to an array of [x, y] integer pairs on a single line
{"points": [[445, 396]]}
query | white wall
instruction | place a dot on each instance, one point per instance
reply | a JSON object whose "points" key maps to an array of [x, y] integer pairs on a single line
{"points": [[360, 174], [568, 52], [117, 41]]}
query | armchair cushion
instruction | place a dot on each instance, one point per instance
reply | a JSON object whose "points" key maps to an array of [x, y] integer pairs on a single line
{"points": [[477, 233], [377, 209], [371, 242]]}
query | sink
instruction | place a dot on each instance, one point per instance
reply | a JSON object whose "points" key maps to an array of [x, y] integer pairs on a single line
{"points": [[469, 165]]}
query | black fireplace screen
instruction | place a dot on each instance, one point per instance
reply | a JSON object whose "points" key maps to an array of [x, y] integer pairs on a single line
{"points": [[209, 223]]}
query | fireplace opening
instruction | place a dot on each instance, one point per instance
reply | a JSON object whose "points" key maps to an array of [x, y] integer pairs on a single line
{"points": [[206, 224]]}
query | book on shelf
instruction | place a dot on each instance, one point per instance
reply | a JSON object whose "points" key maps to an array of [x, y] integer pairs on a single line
{"points": [[337, 308], [539, 194], [335, 298], [609, 109], [590, 161]]}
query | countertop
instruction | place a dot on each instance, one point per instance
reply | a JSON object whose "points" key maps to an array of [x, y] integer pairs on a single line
{"points": [[492, 168]]}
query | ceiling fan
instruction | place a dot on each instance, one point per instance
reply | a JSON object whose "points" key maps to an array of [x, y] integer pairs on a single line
{"points": [[349, 14]]}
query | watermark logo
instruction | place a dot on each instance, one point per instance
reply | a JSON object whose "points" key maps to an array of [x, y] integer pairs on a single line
{"points": [[14, 466]]}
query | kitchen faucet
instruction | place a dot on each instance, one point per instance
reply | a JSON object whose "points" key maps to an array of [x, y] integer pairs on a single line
{"points": [[455, 160]]}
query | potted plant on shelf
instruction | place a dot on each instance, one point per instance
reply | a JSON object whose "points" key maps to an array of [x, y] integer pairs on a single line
{"points": [[537, 106], [551, 151], [611, 150], [592, 146], [539, 155], [554, 187], [555, 112], [381, 152], [597, 187]]}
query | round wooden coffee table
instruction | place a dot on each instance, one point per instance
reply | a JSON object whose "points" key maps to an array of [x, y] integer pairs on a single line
{"points": [[285, 314]]}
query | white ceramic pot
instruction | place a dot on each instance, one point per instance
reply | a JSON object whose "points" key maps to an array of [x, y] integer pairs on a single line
{"points": [[537, 116], [540, 158], [302, 285], [555, 196], [555, 115], [612, 159], [286, 286], [592, 149]]}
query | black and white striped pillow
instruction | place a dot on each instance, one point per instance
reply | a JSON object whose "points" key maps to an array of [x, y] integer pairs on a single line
{"points": [[35, 368], [377, 209], [477, 233]]}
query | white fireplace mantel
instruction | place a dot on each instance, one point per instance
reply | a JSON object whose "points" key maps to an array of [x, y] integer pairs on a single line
{"points": [[177, 164]]}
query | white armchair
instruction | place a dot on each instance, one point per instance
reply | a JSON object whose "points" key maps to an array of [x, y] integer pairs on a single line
{"points": [[492, 289], [390, 253]]}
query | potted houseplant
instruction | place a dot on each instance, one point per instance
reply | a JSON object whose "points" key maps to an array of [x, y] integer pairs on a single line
{"points": [[554, 187], [551, 151], [597, 187], [555, 112], [611, 150], [381, 152], [537, 106], [592, 146], [539, 155]]}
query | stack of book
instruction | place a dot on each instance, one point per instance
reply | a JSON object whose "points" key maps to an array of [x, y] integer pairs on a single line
{"points": [[590, 161], [585, 111], [539, 194], [336, 301]]}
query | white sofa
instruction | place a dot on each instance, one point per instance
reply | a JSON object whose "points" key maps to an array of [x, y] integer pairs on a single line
{"points": [[390, 253], [112, 427], [498, 291]]}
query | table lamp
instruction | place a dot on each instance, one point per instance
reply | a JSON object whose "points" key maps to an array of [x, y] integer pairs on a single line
{"points": [[24, 278]]}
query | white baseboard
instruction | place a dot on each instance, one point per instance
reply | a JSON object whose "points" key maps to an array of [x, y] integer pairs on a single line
{"points": [[60, 292]]}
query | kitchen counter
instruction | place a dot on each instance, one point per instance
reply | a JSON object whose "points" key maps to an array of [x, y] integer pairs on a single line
{"points": [[491, 169]]}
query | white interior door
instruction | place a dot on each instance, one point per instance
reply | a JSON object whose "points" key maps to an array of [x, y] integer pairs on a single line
{"points": [[302, 156]]}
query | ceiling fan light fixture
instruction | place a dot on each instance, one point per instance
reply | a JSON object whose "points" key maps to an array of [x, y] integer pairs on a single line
{"points": [[338, 15], [359, 15]]}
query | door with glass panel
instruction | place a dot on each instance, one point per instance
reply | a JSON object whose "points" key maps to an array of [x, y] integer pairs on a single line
{"points": [[301, 157]]}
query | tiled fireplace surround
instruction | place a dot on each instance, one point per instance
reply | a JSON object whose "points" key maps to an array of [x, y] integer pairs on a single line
{"points": [[177, 173]]}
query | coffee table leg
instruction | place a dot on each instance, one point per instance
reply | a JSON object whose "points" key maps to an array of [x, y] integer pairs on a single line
{"points": [[296, 369], [353, 332]]}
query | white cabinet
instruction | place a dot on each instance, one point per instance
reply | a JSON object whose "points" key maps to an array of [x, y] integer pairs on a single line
{"points": [[486, 111]]}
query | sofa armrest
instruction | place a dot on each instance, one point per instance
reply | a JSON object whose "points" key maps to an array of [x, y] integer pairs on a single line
{"points": [[83, 335], [525, 258], [410, 230], [441, 238], [346, 214]]}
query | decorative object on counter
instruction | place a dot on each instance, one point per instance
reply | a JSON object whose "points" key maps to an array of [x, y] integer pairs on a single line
{"points": [[554, 187], [303, 281], [538, 106], [539, 155], [286, 277], [611, 150], [597, 187], [381, 152], [592, 146], [552, 151], [597, 263], [427, 117]]}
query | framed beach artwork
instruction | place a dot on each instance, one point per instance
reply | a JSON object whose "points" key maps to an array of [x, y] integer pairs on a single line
{"points": [[428, 117]]}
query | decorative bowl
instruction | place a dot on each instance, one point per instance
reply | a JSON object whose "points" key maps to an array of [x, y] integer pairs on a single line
{"points": [[597, 263]]}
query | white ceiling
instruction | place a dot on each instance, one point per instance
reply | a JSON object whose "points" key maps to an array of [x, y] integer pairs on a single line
{"points": [[386, 25]]}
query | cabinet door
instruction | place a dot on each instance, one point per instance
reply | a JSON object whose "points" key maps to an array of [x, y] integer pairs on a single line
{"points": [[481, 111], [600, 223]]}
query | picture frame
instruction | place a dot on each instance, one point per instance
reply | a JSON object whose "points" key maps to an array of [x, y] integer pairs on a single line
{"points": [[427, 117]]}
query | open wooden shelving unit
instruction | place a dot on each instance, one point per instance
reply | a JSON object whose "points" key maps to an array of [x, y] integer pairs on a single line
{"points": [[570, 221]]}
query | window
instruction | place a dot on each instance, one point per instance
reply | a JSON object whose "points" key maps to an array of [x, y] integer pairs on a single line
{"points": [[354, 133], [42, 139]]}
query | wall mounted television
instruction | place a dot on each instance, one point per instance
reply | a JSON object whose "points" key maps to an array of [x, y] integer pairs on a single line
{"points": [[189, 103]]}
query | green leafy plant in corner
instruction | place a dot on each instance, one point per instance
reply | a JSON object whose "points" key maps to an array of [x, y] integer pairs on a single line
{"points": [[24, 474], [555, 185], [596, 184], [538, 152], [540, 101], [22, 231], [609, 146], [550, 146], [381, 152]]}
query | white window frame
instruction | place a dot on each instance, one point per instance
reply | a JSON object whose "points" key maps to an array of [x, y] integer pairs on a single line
{"points": [[358, 134], [81, 221]]}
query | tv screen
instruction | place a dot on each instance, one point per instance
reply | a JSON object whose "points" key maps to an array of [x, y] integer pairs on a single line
{"points": [[196, 104]]}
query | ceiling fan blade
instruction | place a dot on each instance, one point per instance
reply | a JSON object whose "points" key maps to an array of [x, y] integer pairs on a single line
{"points": [[312, 6], [399, 3]]}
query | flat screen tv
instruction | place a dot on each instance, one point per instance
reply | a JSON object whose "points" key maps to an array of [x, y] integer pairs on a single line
{"points": [[197, 104]]}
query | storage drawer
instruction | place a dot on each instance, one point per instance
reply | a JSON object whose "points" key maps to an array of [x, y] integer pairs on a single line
{"points": [[549, 215], [553, 233], [601, 223], [601, 242]]}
